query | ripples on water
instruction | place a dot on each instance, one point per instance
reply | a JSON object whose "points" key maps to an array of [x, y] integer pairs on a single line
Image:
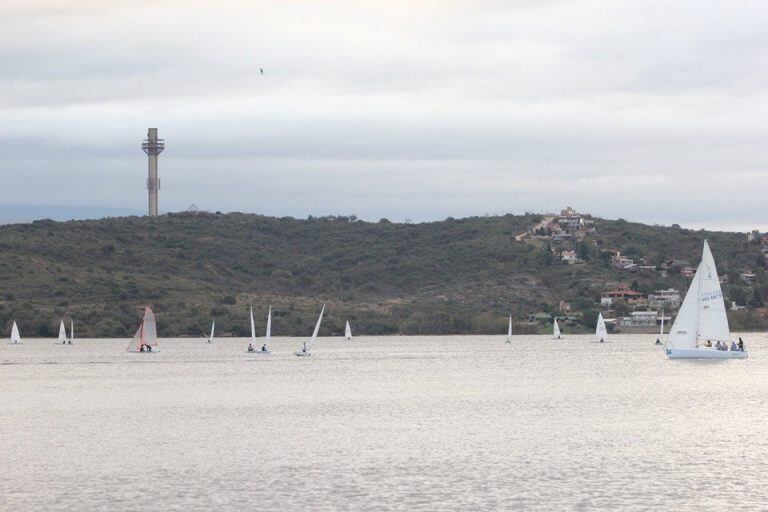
{"points": [[387, 423]]}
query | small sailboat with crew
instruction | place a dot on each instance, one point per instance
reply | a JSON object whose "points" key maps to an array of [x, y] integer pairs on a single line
{"points": [[700, 330], [15, 336], [348, 332], [213, 329], [62, 334], [509, 331], [145, 339], [306, 347], [601, 332], [71, 331], [267, 337], [661, 329], [556, 330]]}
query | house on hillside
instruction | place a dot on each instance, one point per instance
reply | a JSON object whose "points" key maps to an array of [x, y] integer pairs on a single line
{"points": [[569, 257], [619, 261], [669, 298], [621, 293], [570, 220], [747, 277], [687, 271], [639, 319]]}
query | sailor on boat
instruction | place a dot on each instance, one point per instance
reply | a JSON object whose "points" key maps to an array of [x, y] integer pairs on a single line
{"points": [[250, 348], [304, 347], [602, 340], [264, 348], [741, 344], [658, 341]]}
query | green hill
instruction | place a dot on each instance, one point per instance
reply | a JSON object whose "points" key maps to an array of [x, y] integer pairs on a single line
{"points": [[452, 276]]}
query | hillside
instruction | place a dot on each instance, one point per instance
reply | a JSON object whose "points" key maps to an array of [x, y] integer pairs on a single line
{"points": [[452, 276]]}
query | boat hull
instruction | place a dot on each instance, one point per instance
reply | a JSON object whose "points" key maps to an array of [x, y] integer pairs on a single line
{"points": [[302, 354], [704, 353], [259, 352]]}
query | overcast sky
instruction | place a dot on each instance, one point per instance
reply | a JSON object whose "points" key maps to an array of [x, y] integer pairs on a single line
{"points": [[653, 111]]}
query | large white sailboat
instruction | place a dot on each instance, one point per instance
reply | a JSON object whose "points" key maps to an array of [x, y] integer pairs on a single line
{"points": [[15, 336], [702, 321], [601, 333], [307, 345], [556, 330], [145, 339], [348, 332], [509, 330]]}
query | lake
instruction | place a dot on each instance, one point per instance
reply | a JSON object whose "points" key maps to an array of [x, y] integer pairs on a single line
{"points": [[382, 423]]}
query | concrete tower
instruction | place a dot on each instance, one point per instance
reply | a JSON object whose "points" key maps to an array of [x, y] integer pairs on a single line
{"points": [[153, 146]]}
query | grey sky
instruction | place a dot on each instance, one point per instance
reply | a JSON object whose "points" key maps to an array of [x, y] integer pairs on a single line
{"points": [[651, 111]]}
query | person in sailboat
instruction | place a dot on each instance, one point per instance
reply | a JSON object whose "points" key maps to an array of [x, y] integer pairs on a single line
{"points": [[741, 344], [602, 340], [250, 348], [304, 347], [264, 347], [708, 344], [658, 341]]}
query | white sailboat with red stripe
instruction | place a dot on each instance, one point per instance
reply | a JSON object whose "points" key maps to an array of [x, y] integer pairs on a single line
{"points": [[145, 339]]}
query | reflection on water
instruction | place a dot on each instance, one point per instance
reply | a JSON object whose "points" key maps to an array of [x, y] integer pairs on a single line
{"points": [[395, 423]]}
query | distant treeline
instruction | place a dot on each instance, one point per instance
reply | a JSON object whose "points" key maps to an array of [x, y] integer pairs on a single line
{"points": [[453, 276]]}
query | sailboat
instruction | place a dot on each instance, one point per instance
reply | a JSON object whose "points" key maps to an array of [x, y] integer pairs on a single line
{"points": [[15, 336], [509, 330], [702, 318], [213, 328], [267, 336], [71, 331], [307, 345], [556, 330], [62, 334], [601, 333], [347, 332], [661, 329], [145, 339], [251, 349]]}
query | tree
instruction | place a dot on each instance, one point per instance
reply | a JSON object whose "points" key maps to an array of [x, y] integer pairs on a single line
{"points": [[757, 300]]}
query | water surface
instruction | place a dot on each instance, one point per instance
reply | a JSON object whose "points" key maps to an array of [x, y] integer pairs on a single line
{"points": [[382, 423]]}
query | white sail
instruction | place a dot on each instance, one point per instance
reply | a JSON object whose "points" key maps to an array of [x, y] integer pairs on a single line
{"points": [[253, 328], [146, 334], [268, 334], [71, 329], [713, 320], [556, 329], [601, 333], [509, 330], [317, 329], [702, 315], [683, 334], [348, 332], [213, 329], [62, 333], [15, 336]]}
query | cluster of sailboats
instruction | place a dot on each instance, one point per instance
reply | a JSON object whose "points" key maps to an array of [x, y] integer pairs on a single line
{"points": [[700, 329], [145, 339], [701, 325]]}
